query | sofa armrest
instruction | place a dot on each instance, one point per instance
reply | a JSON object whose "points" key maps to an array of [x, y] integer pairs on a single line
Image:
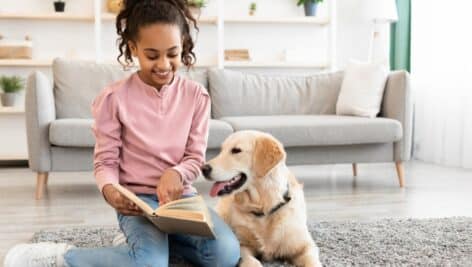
{"points": [[398, 104], [40, 112]]}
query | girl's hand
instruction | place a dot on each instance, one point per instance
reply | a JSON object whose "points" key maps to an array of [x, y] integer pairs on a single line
{"points": [[119, 202], [170, 187]]}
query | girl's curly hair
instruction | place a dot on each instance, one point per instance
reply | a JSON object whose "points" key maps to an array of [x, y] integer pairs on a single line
{"points": [[138, 13]]}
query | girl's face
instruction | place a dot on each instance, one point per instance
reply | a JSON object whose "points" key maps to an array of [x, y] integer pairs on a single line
{"points": [[158, 49]]}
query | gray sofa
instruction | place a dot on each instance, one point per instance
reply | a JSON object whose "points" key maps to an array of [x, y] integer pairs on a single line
{"points": [[299, 111]]}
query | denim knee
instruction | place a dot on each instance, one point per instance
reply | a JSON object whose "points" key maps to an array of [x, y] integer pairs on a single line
{"points": [[70, 259], [146, 253], [227, 250]]}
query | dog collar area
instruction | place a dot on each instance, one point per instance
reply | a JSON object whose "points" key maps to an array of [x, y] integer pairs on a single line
{"points": [[286, 197]]}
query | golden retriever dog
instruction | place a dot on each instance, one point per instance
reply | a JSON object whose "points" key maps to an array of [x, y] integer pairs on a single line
{"points": [[261, 200]]}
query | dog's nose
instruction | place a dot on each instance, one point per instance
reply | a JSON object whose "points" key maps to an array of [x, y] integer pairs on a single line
{"points": [[206, 170]]}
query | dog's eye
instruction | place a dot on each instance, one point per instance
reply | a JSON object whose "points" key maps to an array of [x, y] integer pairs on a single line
{"points": [[235, 150]]}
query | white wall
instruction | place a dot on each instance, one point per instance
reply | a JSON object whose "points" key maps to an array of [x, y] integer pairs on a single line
{"points": [[266, 42]]}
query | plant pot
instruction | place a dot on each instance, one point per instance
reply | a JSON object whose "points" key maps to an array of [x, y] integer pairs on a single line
{"points": [[59, 6], [310, 8], [10, 99], [196, 11]]}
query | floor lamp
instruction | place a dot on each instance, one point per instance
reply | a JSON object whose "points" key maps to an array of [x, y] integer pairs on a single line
{"points": [[378, 12]]}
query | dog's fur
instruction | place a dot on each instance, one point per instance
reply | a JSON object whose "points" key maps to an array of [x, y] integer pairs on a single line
{"points": [[280, 235]]}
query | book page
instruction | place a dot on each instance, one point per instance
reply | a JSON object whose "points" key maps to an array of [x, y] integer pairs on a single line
{"points": [[185, 206], [196, 200], [191, 207], [182, 214], [174, 225], [135, 199]]}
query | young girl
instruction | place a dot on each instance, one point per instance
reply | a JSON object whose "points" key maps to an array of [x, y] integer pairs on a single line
{"points": [[151, 133]]}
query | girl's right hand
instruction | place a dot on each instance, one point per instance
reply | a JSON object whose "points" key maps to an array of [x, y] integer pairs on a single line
{"points": [[119, 202]]}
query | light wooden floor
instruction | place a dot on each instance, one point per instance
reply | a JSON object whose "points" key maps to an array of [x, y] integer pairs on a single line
{"points": [[331, 192]]}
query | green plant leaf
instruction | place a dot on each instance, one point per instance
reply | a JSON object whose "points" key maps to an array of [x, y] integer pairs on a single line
{"points": [[301, 2], [11, 84], [197, 3]]}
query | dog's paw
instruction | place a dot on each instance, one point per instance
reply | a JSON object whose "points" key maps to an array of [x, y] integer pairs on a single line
{"points": [[250, 262], [309, 258], [314, 263], [309, 263]]}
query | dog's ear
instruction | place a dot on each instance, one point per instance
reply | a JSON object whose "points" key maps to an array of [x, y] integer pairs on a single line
{"points": [[267, 153]]}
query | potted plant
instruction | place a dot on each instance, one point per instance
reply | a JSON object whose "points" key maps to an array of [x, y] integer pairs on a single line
{"points": [[59, 5], [310, 6], [196, 6], [252, 9], [10, 86]]}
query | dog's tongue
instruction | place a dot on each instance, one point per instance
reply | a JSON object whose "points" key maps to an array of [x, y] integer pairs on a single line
{"points": [[217, 188]]}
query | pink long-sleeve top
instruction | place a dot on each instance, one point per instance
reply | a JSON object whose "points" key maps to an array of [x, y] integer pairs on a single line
{"points": [[140, 132]]}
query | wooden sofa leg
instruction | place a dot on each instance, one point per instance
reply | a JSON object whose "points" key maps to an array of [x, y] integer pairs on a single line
{"points": [[41, 183], [400, 173], [354, 169]]}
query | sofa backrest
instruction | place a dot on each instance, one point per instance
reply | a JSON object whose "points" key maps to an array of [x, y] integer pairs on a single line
{"points": [[235, 93], [77, 83]]}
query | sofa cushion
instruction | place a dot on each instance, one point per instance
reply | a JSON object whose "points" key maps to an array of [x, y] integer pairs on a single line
{"points": [[321, 130], [72, 133], [77, 83], [200, 76], [78, 133], [236, 93], [219, 130], [362, 89]]}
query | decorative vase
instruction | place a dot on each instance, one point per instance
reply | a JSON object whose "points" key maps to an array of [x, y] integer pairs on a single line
{"points": [[310, 8], [59, 6], [114, 6], [9, 99]]}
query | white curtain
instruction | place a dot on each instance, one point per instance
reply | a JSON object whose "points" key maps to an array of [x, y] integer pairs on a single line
{"points": [[441, 68]]}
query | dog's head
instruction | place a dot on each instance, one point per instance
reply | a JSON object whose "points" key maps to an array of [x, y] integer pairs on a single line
{"points": [[245, 158]]}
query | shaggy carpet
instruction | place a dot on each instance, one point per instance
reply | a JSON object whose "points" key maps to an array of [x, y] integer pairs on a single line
{"points": [[391, 242]]}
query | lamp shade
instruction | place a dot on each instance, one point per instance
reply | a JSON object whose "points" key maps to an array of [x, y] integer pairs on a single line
{"points": [[380, 11]]}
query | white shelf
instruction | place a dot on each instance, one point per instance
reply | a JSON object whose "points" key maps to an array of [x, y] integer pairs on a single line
{"points": [[219, 20], [48, 63], [47, 16], [274, 64], [108, 16], [25, 63], [14, 157], [77, 17], [203, 20], [208, 20], [274, 20], [204, 64], [11, 110]]}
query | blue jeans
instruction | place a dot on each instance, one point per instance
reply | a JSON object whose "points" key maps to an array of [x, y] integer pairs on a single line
{"points": [[147, 246]]}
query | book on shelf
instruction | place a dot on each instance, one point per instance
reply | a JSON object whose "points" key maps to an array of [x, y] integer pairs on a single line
{"points": [[237, 55]]}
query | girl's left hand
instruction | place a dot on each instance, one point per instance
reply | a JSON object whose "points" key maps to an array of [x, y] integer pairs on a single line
{"points": [[170, 186]]}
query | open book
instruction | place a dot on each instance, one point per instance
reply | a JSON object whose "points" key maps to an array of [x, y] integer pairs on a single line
{"points": [[185, 216]]}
